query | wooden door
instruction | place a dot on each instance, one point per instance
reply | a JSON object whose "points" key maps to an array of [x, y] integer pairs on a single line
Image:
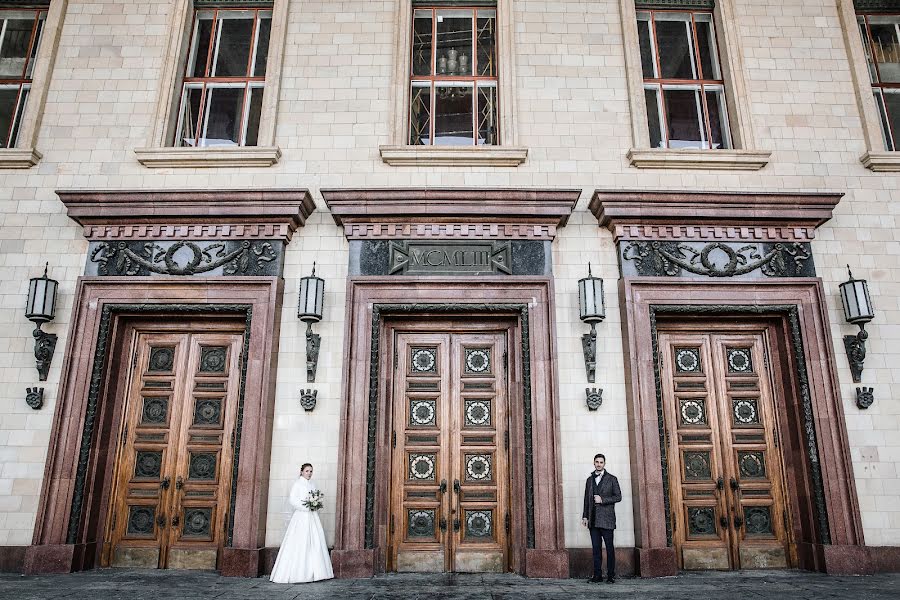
{"points": [[449, 496], [173, 471], [725, 467]]}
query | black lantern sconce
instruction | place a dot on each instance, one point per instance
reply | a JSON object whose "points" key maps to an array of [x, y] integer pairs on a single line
{"points": [[858, 310], [592, 311], [309, 310], [40, 309]]}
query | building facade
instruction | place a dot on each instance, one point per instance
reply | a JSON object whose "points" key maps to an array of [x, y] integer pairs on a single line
{"points": [[537, 231]]}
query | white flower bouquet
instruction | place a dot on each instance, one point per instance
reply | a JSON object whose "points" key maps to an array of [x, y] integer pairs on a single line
{"points": [[314, 500]]}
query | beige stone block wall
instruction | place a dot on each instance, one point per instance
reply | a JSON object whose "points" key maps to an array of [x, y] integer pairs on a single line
{"points": [[334, 112]]}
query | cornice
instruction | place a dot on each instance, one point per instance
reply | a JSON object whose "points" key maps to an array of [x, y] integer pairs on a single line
{"points": [[188, 214], [633, 214]]}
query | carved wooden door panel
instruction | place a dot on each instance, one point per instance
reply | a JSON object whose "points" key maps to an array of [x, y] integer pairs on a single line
{"points": [[726, 495], [173, 473], [449, 484]]}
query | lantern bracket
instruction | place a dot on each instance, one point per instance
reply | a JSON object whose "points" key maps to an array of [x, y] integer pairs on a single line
{"points": [[313, 342], [589, 345], [44, 347], [855, 345]]}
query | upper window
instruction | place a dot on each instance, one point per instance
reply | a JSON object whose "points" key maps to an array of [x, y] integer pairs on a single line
{"points": [[221, 99], [683, 83], [453, 77], [20, 36], [881, 41]]}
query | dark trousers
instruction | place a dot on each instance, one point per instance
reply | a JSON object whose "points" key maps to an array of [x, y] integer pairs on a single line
{"points": [[605, 536]]}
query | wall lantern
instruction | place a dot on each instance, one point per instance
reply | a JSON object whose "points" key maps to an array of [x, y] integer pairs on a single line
{"points": [[858, 310], [309, 310], [592, 311], [40, 309]]}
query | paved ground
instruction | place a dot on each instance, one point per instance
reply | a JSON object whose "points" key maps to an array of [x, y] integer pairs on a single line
{"points": [[130, 584]]}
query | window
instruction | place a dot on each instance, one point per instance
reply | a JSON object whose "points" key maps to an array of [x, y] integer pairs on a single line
{"points": [[20, 36], [224, 78], [683, 84], [881, 44], [453, 92]]}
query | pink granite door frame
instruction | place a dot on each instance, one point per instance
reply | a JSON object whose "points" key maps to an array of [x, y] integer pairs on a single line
{"points": [[356, 556], [71, 518], [840, 548]]}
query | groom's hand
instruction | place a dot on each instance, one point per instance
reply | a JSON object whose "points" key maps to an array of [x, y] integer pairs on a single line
{"points": [[597, 499], [584, 521]]}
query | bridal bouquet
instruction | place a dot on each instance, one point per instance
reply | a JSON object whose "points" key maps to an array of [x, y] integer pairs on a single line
{"points": [[314, 501]]}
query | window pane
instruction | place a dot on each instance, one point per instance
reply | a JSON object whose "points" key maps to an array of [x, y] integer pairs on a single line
{"points": [[648, 65], [420, 114], [8, 97], [676, 61], [14, 47], [37, 43], [683, 116], [488, 125], [486, 42], [886, 48], [453, 115], [653, 118], [885, 132], [454, 43], [233, 43], [718, 118], [200, 49], [262, 45], [892, 105], [253, 115], [190, 113], [421, 43], [20, 110], [706, 42], [222, 120], [867, 49]]}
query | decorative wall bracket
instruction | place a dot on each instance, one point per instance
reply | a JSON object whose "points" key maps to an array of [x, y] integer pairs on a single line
{"points": [[44, 347], [856, 352], [594, 397], [35, 397], [589, 345], [313, 342], [308, 399], [864, 397]]}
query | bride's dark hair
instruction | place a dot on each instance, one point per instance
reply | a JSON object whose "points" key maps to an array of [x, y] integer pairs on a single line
{"points": [[304, 465]]}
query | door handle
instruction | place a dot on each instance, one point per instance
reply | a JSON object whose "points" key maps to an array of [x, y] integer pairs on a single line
{"points": [[164, 484], [443, 524], [455, 524], [443, 486], [175, 521], [456, 485], [723, 521], [720, 484], [161, 520], [734, 484], [179, 483], [738, 522]]}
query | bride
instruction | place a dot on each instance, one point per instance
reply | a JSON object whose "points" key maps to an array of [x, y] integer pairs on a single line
{"points": [[303, 555]]}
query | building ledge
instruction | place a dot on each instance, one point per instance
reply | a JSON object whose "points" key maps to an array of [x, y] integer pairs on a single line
{"points": [[19, 158], [881, 161], [453, 156], [689, 158], [231, 156]]}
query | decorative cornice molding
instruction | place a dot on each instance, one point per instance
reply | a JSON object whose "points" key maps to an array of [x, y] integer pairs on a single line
{"points": [[403, 231], [738, 216], [685, 158], [19, 158], [190, 158], [446, 213], [188, 214], [881, 161], [453, 156]]}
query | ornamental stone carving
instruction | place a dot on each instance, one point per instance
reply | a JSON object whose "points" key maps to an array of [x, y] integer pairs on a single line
{"points": [[716, 259]]}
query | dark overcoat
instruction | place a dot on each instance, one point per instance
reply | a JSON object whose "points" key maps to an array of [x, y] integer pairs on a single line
{"points": [[601, 515]]}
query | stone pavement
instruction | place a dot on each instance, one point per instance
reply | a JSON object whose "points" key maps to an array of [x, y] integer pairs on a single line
{"points": [[130, 584]]}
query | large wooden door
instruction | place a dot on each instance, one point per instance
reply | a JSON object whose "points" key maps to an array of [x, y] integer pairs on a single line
{"points": [[449, 488], [725, 465], [173, 471]]}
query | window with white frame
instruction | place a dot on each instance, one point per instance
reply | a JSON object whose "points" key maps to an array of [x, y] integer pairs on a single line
{"points": [[881, 42], [683, 82], [221, 97], [20, 36], [453, 95]]}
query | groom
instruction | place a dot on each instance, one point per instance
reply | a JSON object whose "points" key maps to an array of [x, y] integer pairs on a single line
{"points": [[601, 492]]}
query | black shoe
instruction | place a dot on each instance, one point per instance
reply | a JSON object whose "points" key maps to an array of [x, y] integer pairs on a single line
{"points": [[595, 579], [610, 580]]}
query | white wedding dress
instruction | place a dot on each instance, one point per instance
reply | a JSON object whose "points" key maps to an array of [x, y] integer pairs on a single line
{"points": [[303, 555]]}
